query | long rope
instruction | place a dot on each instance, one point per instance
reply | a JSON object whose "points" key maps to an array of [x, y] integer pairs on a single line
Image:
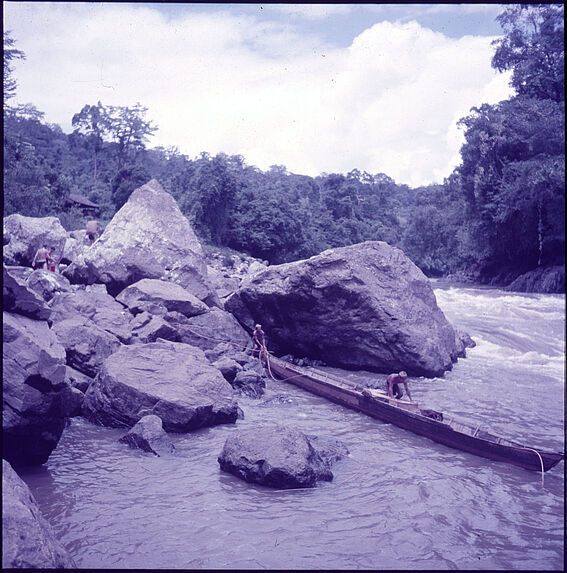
{"points": [[540, 461]]}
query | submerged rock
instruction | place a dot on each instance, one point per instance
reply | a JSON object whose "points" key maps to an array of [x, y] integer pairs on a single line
{"points": [[274, 456]]}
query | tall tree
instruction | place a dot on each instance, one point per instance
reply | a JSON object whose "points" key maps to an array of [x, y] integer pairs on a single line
{"points": [[10, 53], [533, 48], [92, 122], [130, 129]]}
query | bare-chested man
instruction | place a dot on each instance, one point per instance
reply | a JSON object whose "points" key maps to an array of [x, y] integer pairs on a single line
{"points": [[393, 385]]}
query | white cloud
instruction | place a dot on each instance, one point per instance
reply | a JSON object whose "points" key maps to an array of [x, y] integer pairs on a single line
{"points": [[258, 87]]}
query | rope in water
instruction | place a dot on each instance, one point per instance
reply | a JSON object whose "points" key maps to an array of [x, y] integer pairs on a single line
{"points": [[541, 462]]}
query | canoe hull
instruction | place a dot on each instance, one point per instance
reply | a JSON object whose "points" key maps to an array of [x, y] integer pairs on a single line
{"points": [[401, 415]]}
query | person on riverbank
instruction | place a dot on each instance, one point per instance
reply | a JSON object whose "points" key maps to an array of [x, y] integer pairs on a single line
{"points": [[259, 337], [393, 383], [42, 256]]}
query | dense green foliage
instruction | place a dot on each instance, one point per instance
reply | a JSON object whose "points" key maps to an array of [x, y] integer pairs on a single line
{"points": [[500, 213]]}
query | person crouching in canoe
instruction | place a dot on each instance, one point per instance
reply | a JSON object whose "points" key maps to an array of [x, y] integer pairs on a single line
{"points": [[393, 383]]}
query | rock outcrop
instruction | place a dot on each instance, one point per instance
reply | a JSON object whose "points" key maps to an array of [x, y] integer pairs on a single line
{"points": [[171, 380], [366, 306], [147, 238], [36, 398], [28, 541], [275, 456], [542, 280]]}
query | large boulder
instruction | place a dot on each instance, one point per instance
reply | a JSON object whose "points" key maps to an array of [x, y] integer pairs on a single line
{"points": [[28, 541], [37, 400], [171, 380], [98, 306], [366, 306], [147, 238], [86, 344], [28, 234], [153, 295], [274, 456], [19, 298]]}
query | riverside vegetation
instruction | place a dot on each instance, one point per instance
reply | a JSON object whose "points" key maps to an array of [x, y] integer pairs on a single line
{"points": [[498, 219]]}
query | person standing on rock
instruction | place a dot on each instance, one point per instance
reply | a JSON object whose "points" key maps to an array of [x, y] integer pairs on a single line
{"points": [[92, 230], [259, 337], [41, 257], [51, 265], [393, 385]]}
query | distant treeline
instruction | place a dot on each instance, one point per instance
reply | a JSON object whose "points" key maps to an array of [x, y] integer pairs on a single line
{"points": [[501, 212]]}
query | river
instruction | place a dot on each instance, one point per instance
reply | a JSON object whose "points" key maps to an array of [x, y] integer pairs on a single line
{"points": [[398, 501]]}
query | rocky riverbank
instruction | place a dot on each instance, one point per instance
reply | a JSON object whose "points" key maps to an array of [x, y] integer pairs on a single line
{"points": [[141, 325]]}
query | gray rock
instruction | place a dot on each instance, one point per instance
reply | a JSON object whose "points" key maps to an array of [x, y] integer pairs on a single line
{"points": [[28, 541], [20, 299], [147, 238], [28, 234], [366, 306], [86, 344], [148, 328], [36, 399], [142, 295], [171, 380], [249, 383], [274, 456], [207, 330], [77, 379], [229, 368], [98, 306], [47, 283], [540, 280], [148, 435]]}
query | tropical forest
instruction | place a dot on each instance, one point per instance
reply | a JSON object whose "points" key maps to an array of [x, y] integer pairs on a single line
{"points": [[498, 216]]}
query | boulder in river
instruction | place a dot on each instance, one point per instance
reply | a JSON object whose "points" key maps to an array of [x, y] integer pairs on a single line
{"points": [[148, 435], [37, 400], [366, 306], [172, 380], [275, 456], [148, 237], [28, 541]]}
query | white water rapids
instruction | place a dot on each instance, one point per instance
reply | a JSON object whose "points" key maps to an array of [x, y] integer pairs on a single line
{"points": [[398, 501]]}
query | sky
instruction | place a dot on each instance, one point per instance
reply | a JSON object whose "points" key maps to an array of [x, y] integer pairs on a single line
{"points": [[317, 88]]}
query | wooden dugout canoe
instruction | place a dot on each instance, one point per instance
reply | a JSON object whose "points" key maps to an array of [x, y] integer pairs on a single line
{"points": [[405, 414]]}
